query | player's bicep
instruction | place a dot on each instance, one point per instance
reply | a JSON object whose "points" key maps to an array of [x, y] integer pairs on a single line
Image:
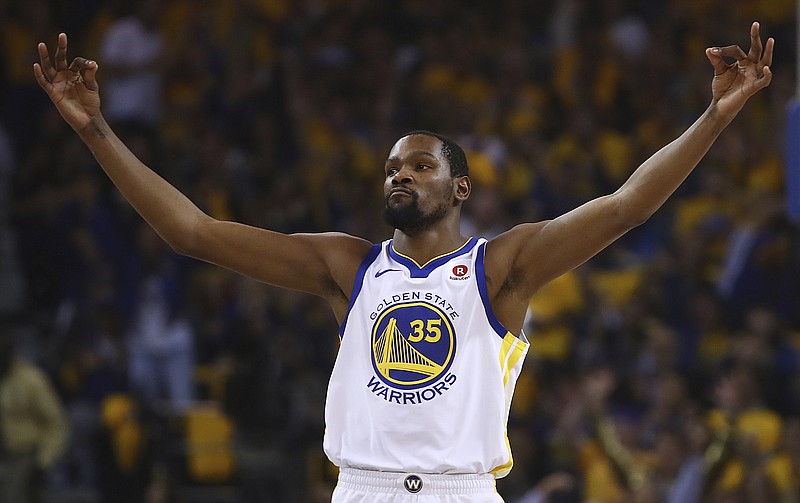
{"points": [[560, 245], [303, 262]]}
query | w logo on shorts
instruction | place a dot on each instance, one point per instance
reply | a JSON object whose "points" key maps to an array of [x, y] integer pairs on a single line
{"points": [[413, 484]]}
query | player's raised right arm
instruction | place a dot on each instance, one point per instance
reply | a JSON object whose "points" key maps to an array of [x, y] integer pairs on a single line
{"points": [[322, 264]]}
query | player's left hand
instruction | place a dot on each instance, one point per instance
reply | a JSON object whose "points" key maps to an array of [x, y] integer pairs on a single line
{"points": [[734, 83]]}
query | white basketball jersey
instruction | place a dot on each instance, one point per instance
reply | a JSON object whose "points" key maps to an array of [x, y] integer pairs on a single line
{"points": [[425, 372]]}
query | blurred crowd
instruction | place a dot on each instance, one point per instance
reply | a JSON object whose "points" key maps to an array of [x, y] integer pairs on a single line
{"points": [[666, 369]]}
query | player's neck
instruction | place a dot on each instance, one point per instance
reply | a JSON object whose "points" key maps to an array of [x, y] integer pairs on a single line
{"points": [[425, 245]]}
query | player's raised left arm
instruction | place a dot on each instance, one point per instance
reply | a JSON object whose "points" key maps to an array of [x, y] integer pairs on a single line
{"points": [[539, 252]]}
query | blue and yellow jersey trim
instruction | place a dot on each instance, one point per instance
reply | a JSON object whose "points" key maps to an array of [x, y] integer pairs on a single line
{"points": [[511, 351], [358, 284], [480, 273], [422, 271], [502, 470]]}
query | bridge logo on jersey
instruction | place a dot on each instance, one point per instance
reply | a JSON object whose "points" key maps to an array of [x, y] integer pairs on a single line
{"points": [[413, 345]]}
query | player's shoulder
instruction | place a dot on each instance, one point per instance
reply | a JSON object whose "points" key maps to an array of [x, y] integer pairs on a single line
{"points": [[341, 245], [504, 247]]}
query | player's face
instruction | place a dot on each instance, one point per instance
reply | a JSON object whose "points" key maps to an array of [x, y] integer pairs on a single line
{"points": [[419, 187]]}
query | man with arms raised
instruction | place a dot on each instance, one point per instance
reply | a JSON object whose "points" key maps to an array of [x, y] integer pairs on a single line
{"points": [[431, 321]]}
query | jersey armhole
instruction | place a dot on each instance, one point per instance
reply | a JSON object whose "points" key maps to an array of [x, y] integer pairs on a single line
{"points": [[359, 282], [480, 277]]}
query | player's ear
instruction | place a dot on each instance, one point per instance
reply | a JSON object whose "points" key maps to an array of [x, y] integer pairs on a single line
{"points": [[462, 188]]}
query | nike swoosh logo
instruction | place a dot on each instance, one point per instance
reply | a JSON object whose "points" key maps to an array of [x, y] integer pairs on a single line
{"points": [[381, 273]]}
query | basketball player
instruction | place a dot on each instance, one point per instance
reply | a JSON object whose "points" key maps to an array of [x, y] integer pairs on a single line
{"points": [[431, 321]]}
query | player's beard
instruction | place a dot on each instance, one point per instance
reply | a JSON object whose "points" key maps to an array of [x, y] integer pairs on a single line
{"points": [[409, 218]]}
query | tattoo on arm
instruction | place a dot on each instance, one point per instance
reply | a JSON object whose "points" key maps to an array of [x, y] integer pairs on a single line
{"points": [[97, 128]]}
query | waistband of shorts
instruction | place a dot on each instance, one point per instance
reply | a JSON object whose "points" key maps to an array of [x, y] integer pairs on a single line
{"points": [[415, 483]]}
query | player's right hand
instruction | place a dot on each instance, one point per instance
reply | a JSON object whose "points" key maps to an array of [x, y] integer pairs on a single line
{"points": [[73, 89]]}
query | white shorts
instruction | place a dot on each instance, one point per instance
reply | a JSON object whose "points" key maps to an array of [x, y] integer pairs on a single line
{"points": [[367, 486]]}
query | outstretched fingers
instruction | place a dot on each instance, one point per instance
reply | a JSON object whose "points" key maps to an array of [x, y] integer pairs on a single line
{"points": [[766, 59], [45, 63], [756, 61], [49, 68], [759, 53], [61, 52], [43, 81], [754, 54]]}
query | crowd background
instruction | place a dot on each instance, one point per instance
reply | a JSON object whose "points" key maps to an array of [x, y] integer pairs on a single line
{"points": [[667, 367]]}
